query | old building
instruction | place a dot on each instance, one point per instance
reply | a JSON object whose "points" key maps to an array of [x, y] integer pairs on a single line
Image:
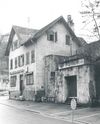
{"points": [[68, 79], [3, 63], [76, 76], [27, 49]]}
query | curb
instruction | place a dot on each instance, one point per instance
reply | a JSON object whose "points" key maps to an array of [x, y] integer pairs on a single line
{"points": [[45, 114]]}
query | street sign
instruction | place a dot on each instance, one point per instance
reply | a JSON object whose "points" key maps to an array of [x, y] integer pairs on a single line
{"points": [[73, 107], [73, 104]]}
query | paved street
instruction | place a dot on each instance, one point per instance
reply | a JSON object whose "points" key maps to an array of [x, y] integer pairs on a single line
{"points": [[24, 112], [10, 115]]}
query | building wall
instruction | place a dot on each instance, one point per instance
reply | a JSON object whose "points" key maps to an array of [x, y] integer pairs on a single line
{"points": [[83, 73], [51, 67], [59, 89], [45, 48], [29, 90], [42, 48]]}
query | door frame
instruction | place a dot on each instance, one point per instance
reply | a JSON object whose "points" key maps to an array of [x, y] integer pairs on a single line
{"points": [[21, 86], [66, 86]]}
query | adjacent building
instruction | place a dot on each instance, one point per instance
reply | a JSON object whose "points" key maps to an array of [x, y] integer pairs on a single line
{"points": [[76, 76], [34, 56], [4, 78]]}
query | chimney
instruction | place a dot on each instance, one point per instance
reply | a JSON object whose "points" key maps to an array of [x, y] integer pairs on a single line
{"points": [[70, 22]]}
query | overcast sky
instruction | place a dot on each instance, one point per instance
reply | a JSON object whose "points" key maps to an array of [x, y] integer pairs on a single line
{"points": [[37, 13]]}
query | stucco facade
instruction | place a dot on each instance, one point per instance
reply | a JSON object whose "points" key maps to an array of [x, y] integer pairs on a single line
{"points": [[71, 79], [57, 44], [23, 70]]}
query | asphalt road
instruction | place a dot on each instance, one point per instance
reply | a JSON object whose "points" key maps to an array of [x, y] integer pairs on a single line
{"points": [[9, 115], [20, 115]]}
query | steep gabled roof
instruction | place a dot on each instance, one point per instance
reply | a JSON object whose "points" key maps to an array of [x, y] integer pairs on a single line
{"points": [[23, 35], [59, 19], [26, 35]]}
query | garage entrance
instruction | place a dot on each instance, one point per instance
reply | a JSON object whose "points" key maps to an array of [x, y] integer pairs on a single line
{"points": [[71, 82]]}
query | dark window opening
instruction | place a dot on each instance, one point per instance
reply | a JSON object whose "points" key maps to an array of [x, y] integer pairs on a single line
{"points": [[51, 37], [29, 79], [52, 75], [67, 40], [71, 82]]}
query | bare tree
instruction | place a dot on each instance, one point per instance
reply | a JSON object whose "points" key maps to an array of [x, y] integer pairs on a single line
{"points": [[91, 17]]}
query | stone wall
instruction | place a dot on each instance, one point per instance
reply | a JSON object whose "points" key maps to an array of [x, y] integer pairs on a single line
{"points": [[84, 74], [51, 67], [57, 87]]}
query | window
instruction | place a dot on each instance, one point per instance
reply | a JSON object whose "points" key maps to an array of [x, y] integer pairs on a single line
{"points": [[67, 40], [27, 58], [29, 79], [21, 60], [32, 56], [13, 81], [52, 36], [16, 62], [53, 76], [11, 64]]}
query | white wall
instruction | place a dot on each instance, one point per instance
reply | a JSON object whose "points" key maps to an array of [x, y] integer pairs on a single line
{"points": [[42, 48], [32, 67], [45, 47]]}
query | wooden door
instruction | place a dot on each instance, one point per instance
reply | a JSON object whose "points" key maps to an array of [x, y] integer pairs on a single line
{"points": [[21, 85], [72, 86]]}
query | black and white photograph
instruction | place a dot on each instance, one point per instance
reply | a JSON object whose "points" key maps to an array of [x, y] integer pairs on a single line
{"points": [[49, 61]]}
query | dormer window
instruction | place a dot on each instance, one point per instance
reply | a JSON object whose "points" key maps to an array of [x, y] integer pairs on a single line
{"points": [[52, 36]]}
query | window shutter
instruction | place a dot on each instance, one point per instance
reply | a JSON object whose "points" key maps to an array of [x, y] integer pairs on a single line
{"points": [[48, 36], [11, 64], [16, 62], [19, 61], [22, 57], [32, 56], [27, 58], [56, 37]]}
